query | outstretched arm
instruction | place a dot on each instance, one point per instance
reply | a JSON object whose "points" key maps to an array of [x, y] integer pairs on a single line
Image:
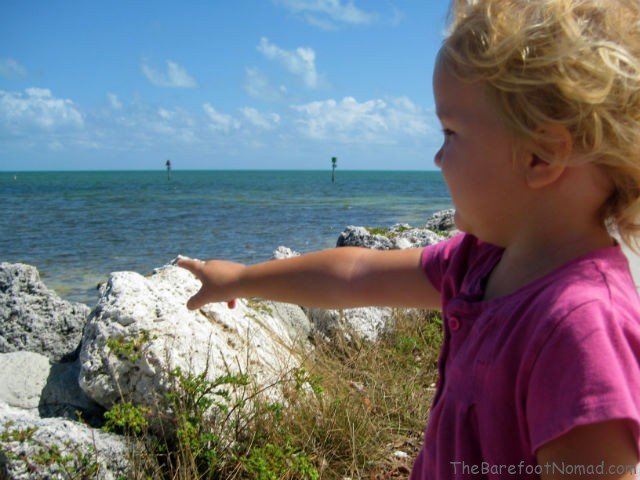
{"points": [[335, 278]]}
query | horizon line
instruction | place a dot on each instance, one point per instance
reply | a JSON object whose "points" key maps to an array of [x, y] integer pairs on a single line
{"points": [[164, 170]]}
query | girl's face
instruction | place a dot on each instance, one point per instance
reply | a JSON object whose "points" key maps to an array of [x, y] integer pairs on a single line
{"points": [[476, 160]]}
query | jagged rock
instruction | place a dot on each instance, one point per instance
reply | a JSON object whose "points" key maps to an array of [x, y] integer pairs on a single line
{"points": [[34, 318], [28, 381], [284, 252], [442, 223], [141, 329], [361, 237], [397, 237], [365, 323], [293, 317], [406, 236], [53, 448]]}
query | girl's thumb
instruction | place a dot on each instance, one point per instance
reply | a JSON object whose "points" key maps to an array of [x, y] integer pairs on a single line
{"points": [[197, 300]]}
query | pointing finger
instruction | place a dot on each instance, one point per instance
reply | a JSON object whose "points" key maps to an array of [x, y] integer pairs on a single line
{"points": [[194, 266], [197, 301]]}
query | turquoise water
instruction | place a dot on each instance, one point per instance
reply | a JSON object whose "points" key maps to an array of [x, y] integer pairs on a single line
{"points": [[77, 227]]}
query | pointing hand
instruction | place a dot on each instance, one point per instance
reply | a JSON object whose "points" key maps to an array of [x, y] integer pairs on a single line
{"points": [[218, 278]]}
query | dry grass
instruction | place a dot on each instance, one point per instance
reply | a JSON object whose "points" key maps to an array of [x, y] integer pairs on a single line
{"points": [[343, 414]]}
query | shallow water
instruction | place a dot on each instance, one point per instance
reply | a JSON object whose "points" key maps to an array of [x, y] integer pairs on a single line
{"points": [[77, 227]]}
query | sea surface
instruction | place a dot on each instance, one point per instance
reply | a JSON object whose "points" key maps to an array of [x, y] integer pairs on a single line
{"points": [[77, 227]]}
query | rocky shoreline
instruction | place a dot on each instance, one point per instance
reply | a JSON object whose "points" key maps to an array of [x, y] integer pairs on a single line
{"points": [[62, 364]]}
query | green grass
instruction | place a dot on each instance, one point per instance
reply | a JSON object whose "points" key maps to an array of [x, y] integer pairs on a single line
{"points": [[389, 232], [66, 461], [343, 413]]}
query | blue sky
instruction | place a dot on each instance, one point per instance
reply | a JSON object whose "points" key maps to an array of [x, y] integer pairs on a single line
{"points": [[218, 84]]}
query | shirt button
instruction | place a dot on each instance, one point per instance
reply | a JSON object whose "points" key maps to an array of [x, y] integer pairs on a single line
{"points": [[454, 324]]}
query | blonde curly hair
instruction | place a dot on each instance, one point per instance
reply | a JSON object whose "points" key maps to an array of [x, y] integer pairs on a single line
{"points": [[574, 63]]}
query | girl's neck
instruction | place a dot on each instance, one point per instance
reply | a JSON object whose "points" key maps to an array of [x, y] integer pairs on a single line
{"points": [[532, 256]]}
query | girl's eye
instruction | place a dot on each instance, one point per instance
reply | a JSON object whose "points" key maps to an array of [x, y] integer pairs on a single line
{"points": [[447, 135]]}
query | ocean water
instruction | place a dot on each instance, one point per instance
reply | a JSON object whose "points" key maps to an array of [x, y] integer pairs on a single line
{"points": [[77, 227]]}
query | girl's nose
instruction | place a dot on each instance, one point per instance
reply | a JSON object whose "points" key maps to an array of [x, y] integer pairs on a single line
{"points": [[438, 158]]}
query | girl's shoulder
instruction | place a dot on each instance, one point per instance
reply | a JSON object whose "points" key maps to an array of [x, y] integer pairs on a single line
{"points": [[588, 303], [601, 278], [452, 263]]}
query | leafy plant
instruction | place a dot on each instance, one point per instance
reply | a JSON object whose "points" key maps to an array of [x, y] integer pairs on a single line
{"points": [[131, 349], [10, 434], [127, 418]]}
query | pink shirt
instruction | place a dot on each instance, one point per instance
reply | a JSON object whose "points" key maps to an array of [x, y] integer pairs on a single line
{"points": [[520, 370]]}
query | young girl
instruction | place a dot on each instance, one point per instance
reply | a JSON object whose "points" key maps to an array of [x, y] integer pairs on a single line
{"points": [[539, 374]]}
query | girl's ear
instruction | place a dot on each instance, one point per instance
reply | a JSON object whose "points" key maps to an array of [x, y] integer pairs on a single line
{"points": [[545, 168]]}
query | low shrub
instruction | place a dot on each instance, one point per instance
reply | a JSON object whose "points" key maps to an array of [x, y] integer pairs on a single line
{"points": [[345, 412]]}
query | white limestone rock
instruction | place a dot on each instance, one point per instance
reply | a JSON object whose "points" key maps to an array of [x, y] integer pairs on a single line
{"points": [[366, 323], [405, 236], [284, 252], [397, 237], [23, 376], [443, 223], [141, 329], [30, 382], [34, 318], [353, 236], [52, 448]]}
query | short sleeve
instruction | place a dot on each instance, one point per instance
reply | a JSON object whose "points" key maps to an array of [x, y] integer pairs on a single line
{"points": [[436, 259], [587, 371]]}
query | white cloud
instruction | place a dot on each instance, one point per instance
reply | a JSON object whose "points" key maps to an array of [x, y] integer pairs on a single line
{"points": [[139, 126], [300, 62], [258, 86], [376, 121], [38, 108], [326, 14], [404, 115], [11, 69], [220, 121], [114, 101], [265, 121], [55, 146], [176, 76], [164, 114], [177, 124]]}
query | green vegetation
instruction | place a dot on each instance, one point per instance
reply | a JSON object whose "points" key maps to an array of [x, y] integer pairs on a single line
{"points": [[126, 418], [342, 413], [69, 462], [10, 434], [378, 231], [391, 232], [130, 350], [259, 306]]}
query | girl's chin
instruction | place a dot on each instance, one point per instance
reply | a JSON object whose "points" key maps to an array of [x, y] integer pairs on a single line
{"points": [[459, 222]]}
